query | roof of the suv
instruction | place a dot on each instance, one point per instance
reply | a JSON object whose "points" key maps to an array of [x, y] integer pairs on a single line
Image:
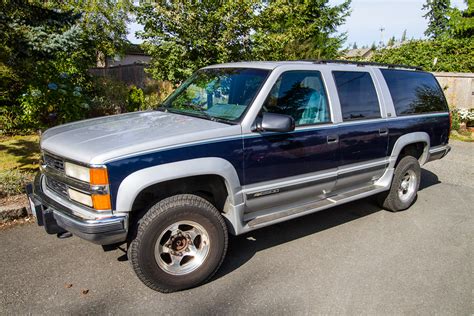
{"points": [[273, 64]]}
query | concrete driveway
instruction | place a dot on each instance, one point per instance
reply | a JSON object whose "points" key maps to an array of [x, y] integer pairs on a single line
{"points": [[351, 259]]}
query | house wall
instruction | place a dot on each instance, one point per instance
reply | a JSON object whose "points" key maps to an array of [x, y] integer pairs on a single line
{"points": [[458, 88], [128, 59]]}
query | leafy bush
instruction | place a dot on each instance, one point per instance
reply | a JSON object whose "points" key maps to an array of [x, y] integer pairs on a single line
{"points": [[135, 100], [13, 182], [110, 97], [156, 92], [455, 119], [57, 102], [450, 54]]}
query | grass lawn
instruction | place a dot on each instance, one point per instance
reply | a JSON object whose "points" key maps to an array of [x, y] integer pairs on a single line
{"points": [[19, 152], [462, 136]]}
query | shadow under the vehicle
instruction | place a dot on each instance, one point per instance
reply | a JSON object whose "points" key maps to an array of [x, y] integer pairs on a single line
{"points": [[242, 248], [428, 179]]}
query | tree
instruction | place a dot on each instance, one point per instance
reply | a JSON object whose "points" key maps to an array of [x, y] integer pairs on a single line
{"points": [[437, 16], [373, 47], [46, 48], [103, 23], [182, 36], [461, 23], [299, 30], [391, 41], [404, 36], [33, 38], [354, 46]]}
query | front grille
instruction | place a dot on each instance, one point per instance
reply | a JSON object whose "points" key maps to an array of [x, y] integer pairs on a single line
{"points": [[57, 187], [54, 162]]}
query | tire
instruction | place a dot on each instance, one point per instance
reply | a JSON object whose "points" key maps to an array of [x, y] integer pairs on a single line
{"points": [[180, 243], [404, 188]]}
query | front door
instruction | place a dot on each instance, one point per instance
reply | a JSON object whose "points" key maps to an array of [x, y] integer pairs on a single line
{"points": [[286, 168]]}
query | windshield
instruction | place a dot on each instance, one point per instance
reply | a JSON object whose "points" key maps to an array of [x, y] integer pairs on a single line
{"points": [[217, 94]]}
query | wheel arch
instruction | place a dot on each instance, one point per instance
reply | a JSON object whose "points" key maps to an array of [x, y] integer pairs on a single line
{"points": [[137, 182], [408, 140]]}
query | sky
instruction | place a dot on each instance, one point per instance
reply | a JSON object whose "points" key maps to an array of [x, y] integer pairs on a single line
{"points": [[368, 17]]}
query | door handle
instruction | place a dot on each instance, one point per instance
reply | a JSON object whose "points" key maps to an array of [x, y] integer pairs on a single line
{"points": [[332, 139], [383, 131]]}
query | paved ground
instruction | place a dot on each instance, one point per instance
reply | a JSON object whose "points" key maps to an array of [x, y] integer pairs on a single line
{"points": [[352, 259]]}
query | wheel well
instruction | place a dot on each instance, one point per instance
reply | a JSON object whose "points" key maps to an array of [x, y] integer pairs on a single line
{"points": [[415, 150], [210, 187]]}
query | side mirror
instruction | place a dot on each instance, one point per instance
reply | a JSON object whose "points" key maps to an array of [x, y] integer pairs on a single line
{"points": [[272, 122]]}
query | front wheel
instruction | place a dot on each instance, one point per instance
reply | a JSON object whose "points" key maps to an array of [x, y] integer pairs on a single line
{"points": [[180, 243], [405, 184]]}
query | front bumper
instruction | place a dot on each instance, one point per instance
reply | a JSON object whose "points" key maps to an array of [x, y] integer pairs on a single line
{"points": [[57, 218]]}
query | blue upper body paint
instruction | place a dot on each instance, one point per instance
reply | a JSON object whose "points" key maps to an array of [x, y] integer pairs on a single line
{"points": [[272, 156]]}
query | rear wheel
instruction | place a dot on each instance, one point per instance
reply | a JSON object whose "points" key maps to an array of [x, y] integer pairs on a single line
{"points": [[180, 243], [404, 188]]}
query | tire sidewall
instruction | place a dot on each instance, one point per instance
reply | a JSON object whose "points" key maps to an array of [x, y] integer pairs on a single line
{"points": [[405, 164]]}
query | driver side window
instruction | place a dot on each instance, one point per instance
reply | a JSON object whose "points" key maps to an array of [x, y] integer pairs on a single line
{"points": [[300, 94]]}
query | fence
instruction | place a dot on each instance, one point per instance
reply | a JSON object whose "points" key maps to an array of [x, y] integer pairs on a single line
{"points": [[458, 88], [129, 74]]}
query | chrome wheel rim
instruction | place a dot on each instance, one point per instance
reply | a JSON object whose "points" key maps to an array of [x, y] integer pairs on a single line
{"points": [[407, 186], [182, 247]]}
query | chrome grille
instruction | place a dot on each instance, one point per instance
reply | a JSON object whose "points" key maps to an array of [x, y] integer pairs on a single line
{"points": [[57, 187], [54, 162]]}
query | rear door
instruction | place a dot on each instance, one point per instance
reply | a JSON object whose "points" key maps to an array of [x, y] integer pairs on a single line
{"points": [[363, 132]]}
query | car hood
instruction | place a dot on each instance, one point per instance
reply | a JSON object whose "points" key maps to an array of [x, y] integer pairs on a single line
{"points": [[100, 140]]}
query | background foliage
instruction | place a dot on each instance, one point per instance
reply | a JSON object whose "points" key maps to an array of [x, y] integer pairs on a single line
{"points": [[182, 36], [451, 45], [46, 49]]}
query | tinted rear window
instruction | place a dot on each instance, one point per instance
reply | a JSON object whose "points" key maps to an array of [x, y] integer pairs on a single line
{"points": [[357, 95], [414, 92]]}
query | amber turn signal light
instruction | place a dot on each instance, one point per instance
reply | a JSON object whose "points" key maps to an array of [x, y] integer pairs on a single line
{"points": [[98, 176], [101, 202]]}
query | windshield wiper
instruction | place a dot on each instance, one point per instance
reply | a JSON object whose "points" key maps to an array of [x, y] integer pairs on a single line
{"points": [[201, 110], [195, 107]]}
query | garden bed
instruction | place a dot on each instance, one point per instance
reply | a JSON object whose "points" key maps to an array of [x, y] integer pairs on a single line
{"points": [[19, 158]]}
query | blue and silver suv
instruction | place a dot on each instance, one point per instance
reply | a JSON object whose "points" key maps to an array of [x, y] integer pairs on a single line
{"points": [[238, 147]]}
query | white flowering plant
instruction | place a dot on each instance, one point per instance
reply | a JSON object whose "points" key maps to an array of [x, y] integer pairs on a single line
{"points": [[466, 115]]}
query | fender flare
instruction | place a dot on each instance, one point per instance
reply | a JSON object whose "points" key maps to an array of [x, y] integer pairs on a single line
{"points": [[408, 139], [136, 182]]}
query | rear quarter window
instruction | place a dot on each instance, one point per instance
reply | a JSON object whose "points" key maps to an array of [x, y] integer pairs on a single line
{"points": [[414, 92]]}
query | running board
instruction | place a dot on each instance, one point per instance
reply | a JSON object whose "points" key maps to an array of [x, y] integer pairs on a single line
{"points": [[280, 216]]}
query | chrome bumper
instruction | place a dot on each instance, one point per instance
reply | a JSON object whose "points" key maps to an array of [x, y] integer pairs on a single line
{"points": [[57, 218]]}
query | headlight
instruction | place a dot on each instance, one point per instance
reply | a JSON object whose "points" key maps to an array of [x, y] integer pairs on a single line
{"points": [[94, 176], [80, 197], [77, 172]]}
